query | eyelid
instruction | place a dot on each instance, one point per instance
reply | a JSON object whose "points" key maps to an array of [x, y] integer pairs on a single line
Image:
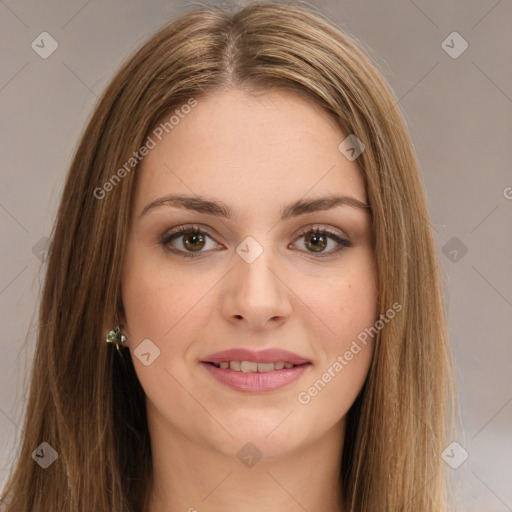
{"points": [[320, 227]]}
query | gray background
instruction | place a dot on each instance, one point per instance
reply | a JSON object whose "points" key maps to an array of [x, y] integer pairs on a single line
{"points": [[459, 111]]}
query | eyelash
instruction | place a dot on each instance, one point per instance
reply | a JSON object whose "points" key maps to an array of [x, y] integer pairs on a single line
{"points": [[195, 230]]}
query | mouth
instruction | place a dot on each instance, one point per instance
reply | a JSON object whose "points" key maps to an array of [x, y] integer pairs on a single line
{"points": [[255, 372], [253, 366]]}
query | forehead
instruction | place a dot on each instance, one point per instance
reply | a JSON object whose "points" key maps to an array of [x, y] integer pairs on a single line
{"points": [[239, 146]]}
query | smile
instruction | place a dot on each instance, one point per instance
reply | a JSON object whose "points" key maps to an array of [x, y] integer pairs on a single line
{"points": [[252, 366]]}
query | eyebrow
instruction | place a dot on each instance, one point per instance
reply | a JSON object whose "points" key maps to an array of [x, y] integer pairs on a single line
{"points": [[300, 207]]}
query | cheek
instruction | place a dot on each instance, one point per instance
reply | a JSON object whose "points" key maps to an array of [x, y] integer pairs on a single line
{"points": [[154, 296], [344, 361], [349, 307], [168, 306], [347, 301], [145, 300]]}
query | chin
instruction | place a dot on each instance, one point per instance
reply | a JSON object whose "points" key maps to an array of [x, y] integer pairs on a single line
{"points": [[267, 432]]}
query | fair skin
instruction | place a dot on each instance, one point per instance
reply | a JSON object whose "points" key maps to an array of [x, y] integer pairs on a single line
{"points": [[256, 155]]}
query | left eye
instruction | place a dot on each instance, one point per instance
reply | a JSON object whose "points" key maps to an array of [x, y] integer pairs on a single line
{"points": [[190, 241], [317, 241]]}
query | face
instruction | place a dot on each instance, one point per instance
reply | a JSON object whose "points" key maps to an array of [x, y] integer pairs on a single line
{"points": [[251, 260]]}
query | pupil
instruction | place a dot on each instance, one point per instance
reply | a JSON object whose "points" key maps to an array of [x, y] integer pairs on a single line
{"points": [[196, 238], [315, 239]]}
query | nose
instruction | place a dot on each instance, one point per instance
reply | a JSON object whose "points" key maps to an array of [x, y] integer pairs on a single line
{"points": [[255, 295]]}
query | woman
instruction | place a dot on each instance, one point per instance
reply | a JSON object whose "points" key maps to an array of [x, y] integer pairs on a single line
{"points": [[242, 307]]}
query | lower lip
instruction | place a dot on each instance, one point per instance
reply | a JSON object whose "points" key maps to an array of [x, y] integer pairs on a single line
{"points": [[256, 382]]}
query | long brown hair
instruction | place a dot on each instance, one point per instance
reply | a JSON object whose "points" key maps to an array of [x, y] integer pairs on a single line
{"points": [[85, 399]]}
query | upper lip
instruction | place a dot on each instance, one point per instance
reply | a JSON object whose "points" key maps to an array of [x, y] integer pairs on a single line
{"points": [[269, 355]]}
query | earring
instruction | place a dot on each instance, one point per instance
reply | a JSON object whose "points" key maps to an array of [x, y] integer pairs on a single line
{"points": [[115, 336]]}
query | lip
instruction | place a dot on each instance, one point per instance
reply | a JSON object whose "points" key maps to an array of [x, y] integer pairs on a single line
{"points": [[256, 382], [269, 355]]}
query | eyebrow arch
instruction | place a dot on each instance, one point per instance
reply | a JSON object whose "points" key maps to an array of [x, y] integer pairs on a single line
{"points": [[220, 209]]}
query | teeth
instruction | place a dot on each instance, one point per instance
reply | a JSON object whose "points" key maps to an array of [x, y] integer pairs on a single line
{"points": [[234, 365], [252, 366], [265, 367], [248, 366]]}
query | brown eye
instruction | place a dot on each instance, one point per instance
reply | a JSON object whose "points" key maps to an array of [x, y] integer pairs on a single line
{"points": [[316, 242], [323, 242], [188, 241], [194, 241]]}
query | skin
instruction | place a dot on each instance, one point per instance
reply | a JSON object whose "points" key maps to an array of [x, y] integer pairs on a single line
{"points": [[256, 153]]}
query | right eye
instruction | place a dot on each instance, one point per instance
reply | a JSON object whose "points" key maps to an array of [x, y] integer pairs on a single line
{"points": [[188, 241]]}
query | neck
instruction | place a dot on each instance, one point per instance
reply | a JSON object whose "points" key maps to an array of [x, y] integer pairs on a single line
{"points": [[195, 477]]}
